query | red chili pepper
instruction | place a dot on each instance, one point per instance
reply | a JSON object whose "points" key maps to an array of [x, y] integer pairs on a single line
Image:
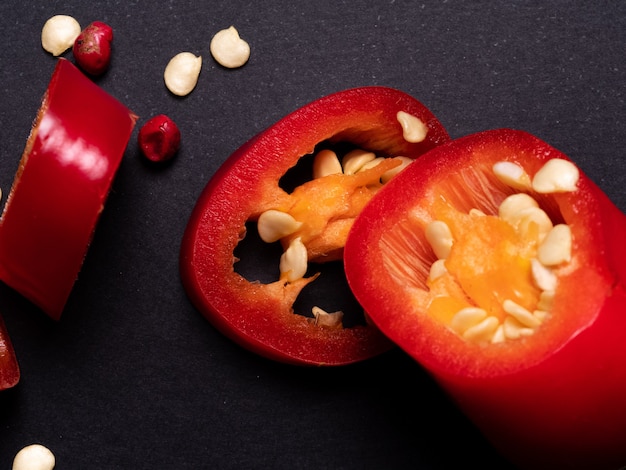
{"points": [[64, 176], [9, 368], [260, 316], [555, 396]]}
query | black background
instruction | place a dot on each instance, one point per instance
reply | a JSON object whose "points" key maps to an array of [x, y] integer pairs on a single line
{"points": [[133, 376]]}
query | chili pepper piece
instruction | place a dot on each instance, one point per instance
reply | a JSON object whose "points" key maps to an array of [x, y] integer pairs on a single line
{"points": [[92, 48], [554, 399], [159, 138], [260, 316], [9, 368], [69, 163]]}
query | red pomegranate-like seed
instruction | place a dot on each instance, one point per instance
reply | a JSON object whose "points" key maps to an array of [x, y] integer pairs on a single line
{"points": [[159, 138], [92, 48]]}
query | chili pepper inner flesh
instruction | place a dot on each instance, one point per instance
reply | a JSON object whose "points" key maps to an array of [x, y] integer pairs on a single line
{"points": [[488, 274]]}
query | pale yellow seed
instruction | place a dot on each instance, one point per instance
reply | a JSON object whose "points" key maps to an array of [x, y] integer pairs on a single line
{"points": [[354, 160], [556, 247], [228, 49], [406, 161], [512, 205], [513, 329], [274, 225], [182, 73], [483, 331], [413, 128], [512, 175], [556, 176], [533, 217], [34, 457], [372, 163], [543, 276], [324, 318], [476, 213], [466, 318], [59, 33], [440, 238], [541, 315], [498, 336], [546, 301], [522, 315], [293, 262], [326, 163], [437, 269]]}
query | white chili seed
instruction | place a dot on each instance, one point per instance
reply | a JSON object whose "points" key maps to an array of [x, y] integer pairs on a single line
{"points": [[512, 175], [34, 457], [182, 73], [326, 163], [540, 315], [556, 248], [437, 269], [513, 329], [498, 336], [555, 176], [406, 161], [293, 262], [324, 318], [466, 318], [59, 33], [511, 206], [274, 225], [483, 331], [228, 49], [413, 128], [354, 160], [533, 216], [439, 236], [543, 276], [546, 301], [520, 314]]}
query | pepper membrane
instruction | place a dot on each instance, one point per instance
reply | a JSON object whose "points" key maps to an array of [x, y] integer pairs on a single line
{"points": [[541, 375], [246, 191]]}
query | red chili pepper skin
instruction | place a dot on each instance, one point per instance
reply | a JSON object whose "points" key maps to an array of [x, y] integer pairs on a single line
{"points": [[9, 368], [556, 399], [69, 163], [260, 316], [92, 48]]}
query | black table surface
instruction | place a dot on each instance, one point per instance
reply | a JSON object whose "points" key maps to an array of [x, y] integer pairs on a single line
{"points": [[133, 376]]}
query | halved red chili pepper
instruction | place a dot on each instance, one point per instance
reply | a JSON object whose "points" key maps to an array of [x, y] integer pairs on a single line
{"points": [[71, 157], [9, 368], [499, 266], [311, 222]]}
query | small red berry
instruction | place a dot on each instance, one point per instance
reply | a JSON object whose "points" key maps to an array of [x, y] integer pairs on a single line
{"points": [[92, 48], [159, 138]]}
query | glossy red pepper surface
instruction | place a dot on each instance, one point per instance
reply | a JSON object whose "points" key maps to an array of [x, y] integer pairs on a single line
{"points": [[260, 316], [71, 157], [9, 368], [555, 399]]}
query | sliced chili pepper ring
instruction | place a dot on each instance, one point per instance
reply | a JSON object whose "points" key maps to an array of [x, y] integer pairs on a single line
{"points": [[260, 316], [65, 174], [554, 398]]}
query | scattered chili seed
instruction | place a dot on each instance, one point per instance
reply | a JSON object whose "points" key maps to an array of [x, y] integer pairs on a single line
{"points": [[159, 138], [92, 48], [182, 72], [59, 33], [34, 457], [228, 49]]}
